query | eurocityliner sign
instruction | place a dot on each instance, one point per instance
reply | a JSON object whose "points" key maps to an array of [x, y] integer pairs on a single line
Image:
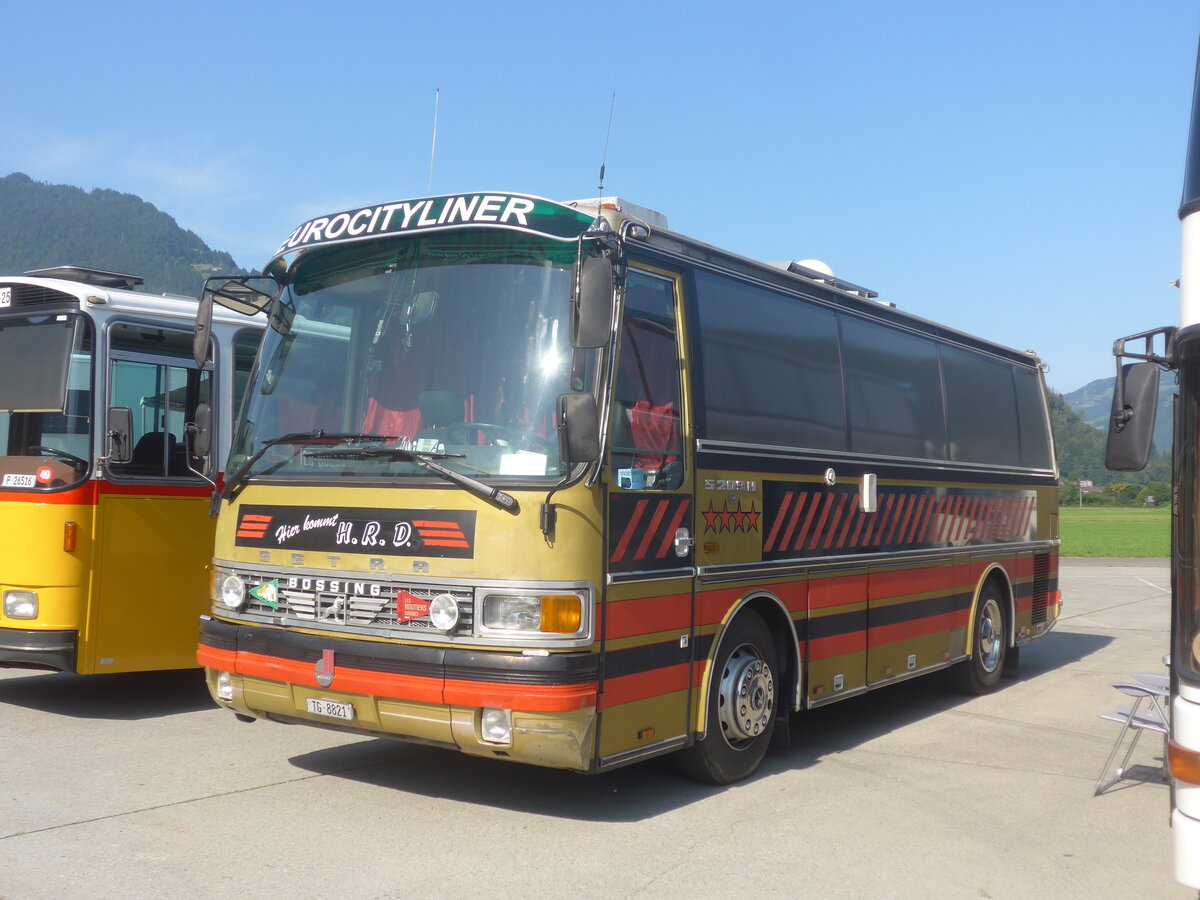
{"points": [[481, 210]]}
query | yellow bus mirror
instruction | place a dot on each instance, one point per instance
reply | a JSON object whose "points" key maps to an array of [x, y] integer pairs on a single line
{"points": [[203, 327], [201, 431], [120, 434]]}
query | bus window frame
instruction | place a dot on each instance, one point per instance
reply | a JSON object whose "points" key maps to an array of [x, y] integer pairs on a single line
{"points": [[115, 472]]}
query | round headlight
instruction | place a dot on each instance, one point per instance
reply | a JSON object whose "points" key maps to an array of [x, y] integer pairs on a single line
{"points": [[233, 591], [443, 612]]}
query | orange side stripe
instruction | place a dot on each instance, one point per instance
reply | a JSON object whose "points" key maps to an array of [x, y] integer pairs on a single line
{"points": [[628, 688], [415, 688], [531, 698]]}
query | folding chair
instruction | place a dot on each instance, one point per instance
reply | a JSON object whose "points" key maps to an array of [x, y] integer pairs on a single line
{"points": [[1145, 714]]}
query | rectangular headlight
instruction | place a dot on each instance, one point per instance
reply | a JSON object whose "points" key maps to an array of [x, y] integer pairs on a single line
{"points": [[21, 604], [533, 613]]}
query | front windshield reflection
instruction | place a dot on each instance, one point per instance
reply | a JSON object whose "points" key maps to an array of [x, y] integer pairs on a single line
{"points": [[452, 344], [46, 414]]}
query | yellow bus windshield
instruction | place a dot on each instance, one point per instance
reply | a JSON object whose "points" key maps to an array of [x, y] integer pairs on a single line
{"points": [[46, 412]]}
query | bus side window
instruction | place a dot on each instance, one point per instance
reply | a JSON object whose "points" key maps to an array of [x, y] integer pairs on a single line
{"points": [[149, 373], [245, 349], [646, 442]]}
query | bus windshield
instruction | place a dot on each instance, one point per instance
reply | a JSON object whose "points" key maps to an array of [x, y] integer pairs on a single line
{"points": [[45, 401], [452, 345]]}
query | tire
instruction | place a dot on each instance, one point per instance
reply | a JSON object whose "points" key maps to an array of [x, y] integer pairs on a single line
{"points": [[989, 645], [743, 693]]}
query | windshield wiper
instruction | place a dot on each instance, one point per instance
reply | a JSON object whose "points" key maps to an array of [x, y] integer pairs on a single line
{"points": [[495, 495], [318, 436]]}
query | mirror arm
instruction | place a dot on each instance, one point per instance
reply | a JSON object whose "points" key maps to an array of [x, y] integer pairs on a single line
{"points": [[1123, 414], [190, 430], [1166, 360]]}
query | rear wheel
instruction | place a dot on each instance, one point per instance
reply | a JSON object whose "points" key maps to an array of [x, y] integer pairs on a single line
{"points": [[742, 694], [989, 644]]}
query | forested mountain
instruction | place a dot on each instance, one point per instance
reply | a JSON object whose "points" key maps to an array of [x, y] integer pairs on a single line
{"points": [[55, 224], [1093, 402], [1080, 449]]}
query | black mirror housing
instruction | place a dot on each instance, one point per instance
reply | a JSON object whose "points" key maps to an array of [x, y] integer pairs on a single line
{"points": [[592, 303], [578, 428], [120, 434], [1131, 427]]}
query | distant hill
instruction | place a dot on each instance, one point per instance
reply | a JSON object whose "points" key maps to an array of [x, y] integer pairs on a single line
{"points": [[55, 224], [1093, 402]]}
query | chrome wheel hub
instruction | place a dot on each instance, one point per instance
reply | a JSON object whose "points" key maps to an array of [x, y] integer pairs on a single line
{"points": [[990, 640], [746, 697]]}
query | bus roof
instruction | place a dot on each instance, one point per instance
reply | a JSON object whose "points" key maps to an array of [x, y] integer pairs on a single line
{"points": [[568, 220], [82, 286]]}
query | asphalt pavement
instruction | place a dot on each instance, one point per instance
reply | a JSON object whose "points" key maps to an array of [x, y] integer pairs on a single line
{"points": [[138, 786]]}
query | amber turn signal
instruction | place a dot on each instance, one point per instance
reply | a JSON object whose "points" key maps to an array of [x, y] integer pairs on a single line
{"points": [[1183, 764]]}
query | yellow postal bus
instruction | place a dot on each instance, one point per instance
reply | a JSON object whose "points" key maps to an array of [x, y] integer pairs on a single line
{"points": [[102, 504], [551, 483]]}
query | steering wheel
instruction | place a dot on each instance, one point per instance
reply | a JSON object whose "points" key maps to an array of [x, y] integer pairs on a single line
{"points": [[496, 436], [61, 455]]}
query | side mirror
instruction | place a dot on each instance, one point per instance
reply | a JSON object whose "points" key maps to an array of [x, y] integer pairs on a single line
{"points": [[201, 431], [1131, 425], [592, 302], [203, 327], [578, 428], [246, 294], [120, 434]]}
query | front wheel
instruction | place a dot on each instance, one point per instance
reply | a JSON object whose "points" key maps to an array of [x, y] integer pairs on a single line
{"points": [[989, 643], [743, 691]]}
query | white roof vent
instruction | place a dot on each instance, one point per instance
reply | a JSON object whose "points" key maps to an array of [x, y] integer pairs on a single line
{"points": [[651, 217], [822, 273]]}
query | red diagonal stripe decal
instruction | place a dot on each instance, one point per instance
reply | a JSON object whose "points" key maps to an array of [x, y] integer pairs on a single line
{"points": [[660, 510], [626, 536], [779, 517]]}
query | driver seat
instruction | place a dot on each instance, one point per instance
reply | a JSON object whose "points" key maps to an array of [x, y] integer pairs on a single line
{"points": [[439, 410]]}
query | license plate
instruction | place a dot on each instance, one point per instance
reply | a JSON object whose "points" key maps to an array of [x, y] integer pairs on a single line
{"points": [[12, 480], [331, 708]]}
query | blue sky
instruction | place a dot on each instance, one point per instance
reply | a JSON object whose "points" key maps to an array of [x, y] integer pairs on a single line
{"points": [[1011, 169]]}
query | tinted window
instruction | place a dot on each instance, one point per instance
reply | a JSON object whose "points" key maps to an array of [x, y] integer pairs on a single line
{"points": [[1031, 412], [771, 369], [646, 440], [245, 347], [893, 391], [982, 409]]}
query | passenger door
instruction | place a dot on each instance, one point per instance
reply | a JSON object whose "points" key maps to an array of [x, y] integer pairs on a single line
{"points": [[154, 537], [648, 611]]}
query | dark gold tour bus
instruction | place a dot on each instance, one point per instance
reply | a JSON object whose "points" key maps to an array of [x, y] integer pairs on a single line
{"points": [[551, 483]]}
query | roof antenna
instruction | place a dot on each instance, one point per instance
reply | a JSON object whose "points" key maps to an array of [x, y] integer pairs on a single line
{"points": [[437, 92], [604, 158]]}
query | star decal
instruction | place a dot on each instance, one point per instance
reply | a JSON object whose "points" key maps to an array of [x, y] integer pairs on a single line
{"points": [[726, 519]]}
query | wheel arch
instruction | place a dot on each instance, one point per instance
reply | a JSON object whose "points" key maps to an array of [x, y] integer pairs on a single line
{"points": [[997, 574], [778, 620]]}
